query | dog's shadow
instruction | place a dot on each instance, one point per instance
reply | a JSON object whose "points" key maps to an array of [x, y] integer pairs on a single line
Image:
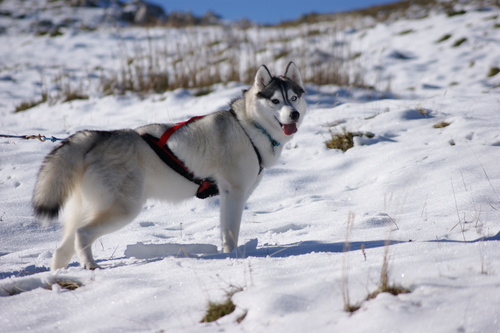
{"points": [[154, 252], [251, 249], [290, 250]]}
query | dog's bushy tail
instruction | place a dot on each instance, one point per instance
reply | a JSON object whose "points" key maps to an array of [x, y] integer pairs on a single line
{"points": [[58, 176]]}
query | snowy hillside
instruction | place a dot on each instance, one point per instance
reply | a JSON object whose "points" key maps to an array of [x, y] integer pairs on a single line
{"points": [[420, 189]]}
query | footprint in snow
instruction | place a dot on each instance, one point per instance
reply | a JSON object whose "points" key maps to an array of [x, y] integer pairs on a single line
{"points": [[376, 221], [288, 227]]}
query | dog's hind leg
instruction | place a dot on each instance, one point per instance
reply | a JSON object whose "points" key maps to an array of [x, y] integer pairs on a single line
{"points": [[65, 251], [102, 223], [72, 218]]}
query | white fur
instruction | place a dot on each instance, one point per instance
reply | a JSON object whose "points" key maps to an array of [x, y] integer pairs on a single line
{"points": [[100, 180]]}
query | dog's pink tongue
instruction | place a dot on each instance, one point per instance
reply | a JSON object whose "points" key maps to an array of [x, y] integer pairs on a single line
{"points": [[289, 129]]}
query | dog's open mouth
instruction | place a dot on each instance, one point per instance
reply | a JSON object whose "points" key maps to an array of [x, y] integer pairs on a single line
{"points": [[289, 129]]}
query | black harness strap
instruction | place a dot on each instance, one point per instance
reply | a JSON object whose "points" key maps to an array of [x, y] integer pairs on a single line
{"points": [[253, 145], [208, 187]]}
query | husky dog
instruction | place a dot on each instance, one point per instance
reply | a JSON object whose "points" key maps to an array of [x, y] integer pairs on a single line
{"points": [[99, 180]]}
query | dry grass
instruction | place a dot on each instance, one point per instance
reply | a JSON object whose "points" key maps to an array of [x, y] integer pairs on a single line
{"points": [[196, 58], [217, 310], [345, 140], [63, 89], [443, 38], [384, 285], [155, 66], [459, 42], [348, 305], [342, 141], [66, 284], [23, 106], [493, 71], [441, 124]]}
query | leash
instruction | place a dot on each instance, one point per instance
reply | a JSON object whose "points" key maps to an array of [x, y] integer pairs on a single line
{"points": [[40, 137]]}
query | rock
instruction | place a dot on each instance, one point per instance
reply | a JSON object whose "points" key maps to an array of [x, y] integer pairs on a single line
{"points": [[143, 13]]}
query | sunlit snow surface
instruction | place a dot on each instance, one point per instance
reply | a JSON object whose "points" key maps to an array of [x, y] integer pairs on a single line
{"points": [[434, 192]]}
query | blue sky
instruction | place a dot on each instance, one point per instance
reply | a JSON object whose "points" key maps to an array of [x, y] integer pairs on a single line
{"points": [[268, 11]]}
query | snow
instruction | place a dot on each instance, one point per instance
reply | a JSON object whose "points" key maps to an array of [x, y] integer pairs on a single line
{"points": [[433, 192]]}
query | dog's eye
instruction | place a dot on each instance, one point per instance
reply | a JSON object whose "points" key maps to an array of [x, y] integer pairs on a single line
{"points": [[294, 98], [275, 101]]}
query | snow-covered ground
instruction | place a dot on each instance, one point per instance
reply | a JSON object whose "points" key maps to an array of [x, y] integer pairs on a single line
{"points": [[434, 192]]}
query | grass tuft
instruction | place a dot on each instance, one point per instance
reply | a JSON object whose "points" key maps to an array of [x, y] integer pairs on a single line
{"points": [[443, 38], [406, 32], [393, 289], [348, 306], [345, 140], [69, 285], [442, 124], [204, 91], [459, 42], [23, 106], [384, 285], [218, 310], [63, 91], [424, 112], [351, 308], [19, 288], [493, 71], [456, 13], [74, 95]]}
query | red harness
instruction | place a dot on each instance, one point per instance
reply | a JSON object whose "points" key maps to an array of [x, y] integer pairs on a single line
{"points": [[168, 133], [208, 187]]}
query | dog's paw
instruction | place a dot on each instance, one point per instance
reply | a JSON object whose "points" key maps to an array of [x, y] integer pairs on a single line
{"points": [[91, 266]]}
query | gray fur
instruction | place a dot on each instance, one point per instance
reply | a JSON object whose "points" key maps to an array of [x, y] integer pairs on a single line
{"points": [[99, 180]]}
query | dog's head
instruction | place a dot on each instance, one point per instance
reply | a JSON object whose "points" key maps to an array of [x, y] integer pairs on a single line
{"points": [[279, 101]]}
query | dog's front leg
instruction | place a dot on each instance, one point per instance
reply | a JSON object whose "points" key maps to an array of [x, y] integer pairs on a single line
{"points": [[232, 204]]}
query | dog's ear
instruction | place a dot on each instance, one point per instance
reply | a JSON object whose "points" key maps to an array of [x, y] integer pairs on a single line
{"points": [[263, 77], [292, 72]]}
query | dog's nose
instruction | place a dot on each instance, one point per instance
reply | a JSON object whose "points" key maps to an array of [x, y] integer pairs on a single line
{"points": [[295, 115]]}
